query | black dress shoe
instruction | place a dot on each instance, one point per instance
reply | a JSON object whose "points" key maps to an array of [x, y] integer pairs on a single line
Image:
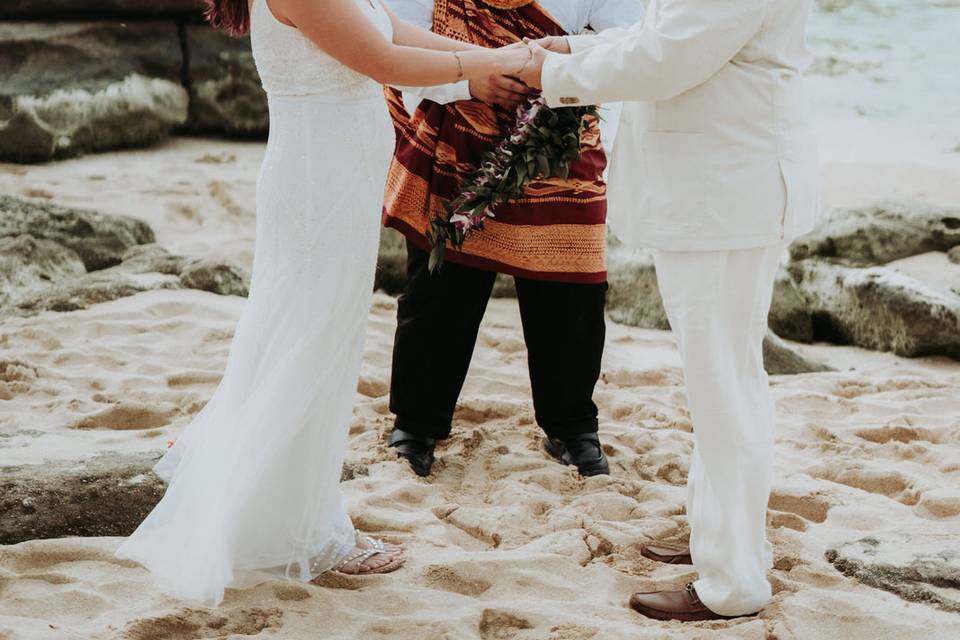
{"points": [[582, 450], [418, 450]]}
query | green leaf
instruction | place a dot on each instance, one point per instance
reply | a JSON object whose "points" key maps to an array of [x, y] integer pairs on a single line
{"points": [[543, 164], [436, 257]]}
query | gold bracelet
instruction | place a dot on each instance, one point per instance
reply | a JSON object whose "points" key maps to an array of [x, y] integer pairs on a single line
{"points": [[456, 54]]}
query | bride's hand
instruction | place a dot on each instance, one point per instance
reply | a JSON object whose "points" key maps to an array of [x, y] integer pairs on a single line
{"points": [[512, 59], [556, 44]]}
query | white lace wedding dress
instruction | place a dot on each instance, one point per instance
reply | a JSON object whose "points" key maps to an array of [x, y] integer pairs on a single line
{"points": [[253, 482]]}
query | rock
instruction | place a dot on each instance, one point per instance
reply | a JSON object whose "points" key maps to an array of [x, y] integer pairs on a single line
{"points": [[100, 240], [225, 92], [634, 297], [392, 268], [879, 308], [916, 567], [504, 287], [28, 263], [79, 293], [59, 9], [221, 278], [391, 275], [790, 317], [880, 234], [954, 255], [150, 258], [108, 495], [87, 86], [780, 359]]}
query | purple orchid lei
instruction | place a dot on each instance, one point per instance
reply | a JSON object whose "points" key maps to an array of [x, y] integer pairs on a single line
{"points": [[542, 143]]}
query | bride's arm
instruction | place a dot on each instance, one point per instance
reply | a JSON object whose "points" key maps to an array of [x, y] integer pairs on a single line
{"points": [[342, 30], [411, 35]]}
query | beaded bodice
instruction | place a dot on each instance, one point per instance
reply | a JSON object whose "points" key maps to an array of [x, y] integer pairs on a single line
{"points": [[290, 64]]}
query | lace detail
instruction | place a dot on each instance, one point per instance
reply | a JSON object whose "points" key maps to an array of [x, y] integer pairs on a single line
{"points": [[290, 64]]}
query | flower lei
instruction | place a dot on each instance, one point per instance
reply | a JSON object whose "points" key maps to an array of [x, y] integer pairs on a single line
{"points": [[542, 143]]}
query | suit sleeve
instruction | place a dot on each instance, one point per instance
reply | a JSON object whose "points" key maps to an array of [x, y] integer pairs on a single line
{"points": [[610, 14], [686, 43]]}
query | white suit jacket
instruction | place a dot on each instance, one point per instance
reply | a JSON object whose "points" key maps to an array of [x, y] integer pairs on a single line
{"points": [[715, 149]]}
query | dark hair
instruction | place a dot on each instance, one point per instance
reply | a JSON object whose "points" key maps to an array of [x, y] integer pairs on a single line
{"points": [[233, 16]]}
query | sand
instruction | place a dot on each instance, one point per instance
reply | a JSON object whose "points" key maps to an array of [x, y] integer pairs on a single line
{"points": [[503, 542]]}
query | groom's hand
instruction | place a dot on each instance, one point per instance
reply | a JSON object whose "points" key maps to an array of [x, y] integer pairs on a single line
{"points": [[532, 74], [499, 90]]}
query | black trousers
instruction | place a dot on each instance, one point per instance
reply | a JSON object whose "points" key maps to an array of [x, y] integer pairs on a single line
{"points": [[438, 318]]}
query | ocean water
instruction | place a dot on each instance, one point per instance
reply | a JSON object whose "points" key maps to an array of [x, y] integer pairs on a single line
{"points": [[885, 83]]}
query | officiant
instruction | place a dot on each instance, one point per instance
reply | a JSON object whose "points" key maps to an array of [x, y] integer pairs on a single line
{"points": [[552, 240]]}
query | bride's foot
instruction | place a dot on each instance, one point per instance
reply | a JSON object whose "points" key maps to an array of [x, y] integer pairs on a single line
{"points": [[366, 542], [371, 556]]}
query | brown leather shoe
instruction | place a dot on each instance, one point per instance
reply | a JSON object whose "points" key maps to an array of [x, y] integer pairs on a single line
{"points": [[666, 555], [683, 605]]}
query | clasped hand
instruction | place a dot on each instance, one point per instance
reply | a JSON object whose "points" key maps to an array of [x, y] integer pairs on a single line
{"points": [[507, 91]]}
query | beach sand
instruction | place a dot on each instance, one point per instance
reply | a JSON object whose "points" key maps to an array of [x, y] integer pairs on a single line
{"points": [[503, 543]]}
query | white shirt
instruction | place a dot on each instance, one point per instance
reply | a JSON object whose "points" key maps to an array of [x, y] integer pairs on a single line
{"points": [[573, 15]]}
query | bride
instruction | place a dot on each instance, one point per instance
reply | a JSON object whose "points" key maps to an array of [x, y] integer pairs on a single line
{"points": [[253, 482]]}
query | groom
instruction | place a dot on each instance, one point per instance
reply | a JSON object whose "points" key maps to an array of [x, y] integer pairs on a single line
{"points": [[715, 169], [552, 240]]}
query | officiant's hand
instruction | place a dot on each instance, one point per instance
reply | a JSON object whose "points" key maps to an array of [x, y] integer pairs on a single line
{"points": [[532, 73], [499, 90]]}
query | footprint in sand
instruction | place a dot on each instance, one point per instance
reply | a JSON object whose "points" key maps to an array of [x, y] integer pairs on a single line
{"points": [[797, 511], [894, 433], [501, 625], [193, 378], [196, 624], [16, 378], [455, 580], [125, 417], [630, 378], [858, 388], [373, 386], [892, 484], [479, 411]]}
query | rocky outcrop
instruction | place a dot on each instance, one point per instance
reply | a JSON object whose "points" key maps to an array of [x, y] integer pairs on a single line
{"points": [[99, 240], [225, 92], [60, 9], [878, 308], [954, 255], [790, 315], [880, 234], [88, 86], [28, 263], [55, 258], [79, 293], [780, 359], [216, 277], [916, 567], [151, 258], [108, 495], [634, 297], [108, 74], [391, 262]]}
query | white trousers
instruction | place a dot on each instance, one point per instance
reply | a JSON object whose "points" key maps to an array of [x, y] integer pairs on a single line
{"points": [[717, 303]]}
